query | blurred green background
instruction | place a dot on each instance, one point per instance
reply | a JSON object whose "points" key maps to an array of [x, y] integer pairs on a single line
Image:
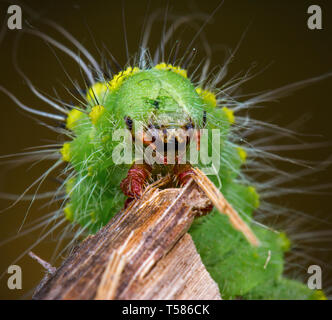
{"points": [[277, 33]]}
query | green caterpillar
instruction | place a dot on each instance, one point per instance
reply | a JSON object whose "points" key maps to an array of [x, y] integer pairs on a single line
{"points": [[131, 94], [164, 95], [94, 186]]}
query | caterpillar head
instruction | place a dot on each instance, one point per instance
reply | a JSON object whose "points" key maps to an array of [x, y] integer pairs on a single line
{"points": [[162, 102]]}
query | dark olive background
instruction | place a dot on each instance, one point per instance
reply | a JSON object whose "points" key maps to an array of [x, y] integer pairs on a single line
{"points": [[278, 33]]}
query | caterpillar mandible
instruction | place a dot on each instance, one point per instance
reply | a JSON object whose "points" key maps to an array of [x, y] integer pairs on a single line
{"points": [[167, 95]]}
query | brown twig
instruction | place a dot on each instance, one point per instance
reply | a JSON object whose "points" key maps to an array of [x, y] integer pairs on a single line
{"points": [[141, 254], [223, 205]]}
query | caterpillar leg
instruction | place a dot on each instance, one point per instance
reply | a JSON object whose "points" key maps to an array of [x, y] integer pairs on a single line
{"points": [[183, 172], [133, 185], [128, 202]]}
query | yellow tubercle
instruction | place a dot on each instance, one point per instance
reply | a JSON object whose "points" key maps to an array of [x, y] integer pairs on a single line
{"points": [[97, 91], [207, 96], [69, 214], [90, 171], [95, 113], [229, 114], [65, 151], [117, 80], [284, 241], [105, 138], [255, 195], [73, 116], [176, 69], [69, 185], [93, 216], [242, 154], [318, 295]]}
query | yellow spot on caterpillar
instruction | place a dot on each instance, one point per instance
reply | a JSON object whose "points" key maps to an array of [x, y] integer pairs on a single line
{"points": [[69, 214], [95, 113], [93, 216], [105, 138], [117, 80], [97, 91], [90, 171], [318, 295], [207, 96], [229, 114], [284, 241], [70, 185], [242, 154], [178, 70], [255, 195], [65, 151], [73, 116]]}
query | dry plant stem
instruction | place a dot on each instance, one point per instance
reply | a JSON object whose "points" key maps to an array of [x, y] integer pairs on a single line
{"points": [[43, 263], [223, 205], [138, 254], [178, 275]]}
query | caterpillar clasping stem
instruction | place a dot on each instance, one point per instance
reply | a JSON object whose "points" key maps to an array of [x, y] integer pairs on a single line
{"points": [[197, 125]]}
